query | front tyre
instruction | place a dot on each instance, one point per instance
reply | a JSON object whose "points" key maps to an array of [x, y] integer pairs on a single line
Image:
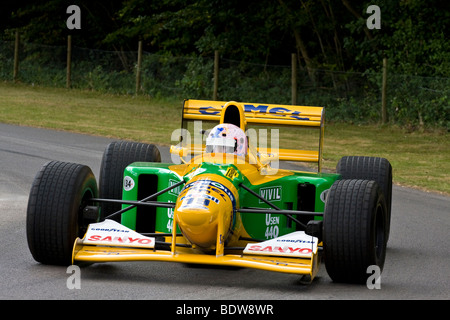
{"points": [[116, 157], [354, 235], [55, 219], [370, 168]]}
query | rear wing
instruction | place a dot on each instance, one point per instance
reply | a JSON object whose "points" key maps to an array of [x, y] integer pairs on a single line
{"points": [[243, 113]]}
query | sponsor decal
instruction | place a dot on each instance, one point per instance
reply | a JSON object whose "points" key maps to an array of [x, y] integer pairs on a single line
{"points": [[205, 187], [175, 191], [119, 240], [206, 110], [277, 111], [272, 226], [197, 200], [128, 183], [270, 193], [295, 244], [112, 233], [231, 173], [277, 249], [263, 109]]}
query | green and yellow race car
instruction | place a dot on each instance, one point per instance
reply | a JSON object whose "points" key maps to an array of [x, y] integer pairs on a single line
{"points": [[224, 200]]}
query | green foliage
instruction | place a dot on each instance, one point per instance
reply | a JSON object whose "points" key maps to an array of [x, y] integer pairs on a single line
{"points": [[197, 79], [421, 100]]}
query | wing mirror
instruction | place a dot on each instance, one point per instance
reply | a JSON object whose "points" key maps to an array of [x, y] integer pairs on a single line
{"points": [[266, 158], [179, 151]]}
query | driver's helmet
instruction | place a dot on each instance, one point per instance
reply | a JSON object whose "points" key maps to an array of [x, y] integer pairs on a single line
{"points": [[227, 138]]}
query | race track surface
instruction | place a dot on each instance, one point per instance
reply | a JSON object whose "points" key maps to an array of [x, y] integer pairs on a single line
{"points": [[417, 262]]}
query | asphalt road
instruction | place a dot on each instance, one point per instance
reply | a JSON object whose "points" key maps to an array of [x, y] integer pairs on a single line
{"points": [[417, 263]]}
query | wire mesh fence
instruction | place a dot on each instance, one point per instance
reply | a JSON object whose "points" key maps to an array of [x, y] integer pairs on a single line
{"points": [[347, 96]]}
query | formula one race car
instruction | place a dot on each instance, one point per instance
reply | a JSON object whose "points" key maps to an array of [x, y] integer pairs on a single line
{"points": [[223, 201]]}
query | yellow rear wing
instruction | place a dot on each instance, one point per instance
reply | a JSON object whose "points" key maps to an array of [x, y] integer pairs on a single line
{"points": [[243, 113]]}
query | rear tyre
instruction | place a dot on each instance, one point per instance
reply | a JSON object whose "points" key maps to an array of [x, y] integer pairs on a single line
{"points": [[55, 219], [370, 168], [354, 235], [117, 156]]}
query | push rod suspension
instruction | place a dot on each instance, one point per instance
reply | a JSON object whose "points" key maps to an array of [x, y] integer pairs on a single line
{"points": [[143, 202]]}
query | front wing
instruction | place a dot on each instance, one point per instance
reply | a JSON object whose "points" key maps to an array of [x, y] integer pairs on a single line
{"points": [[110, 241]]}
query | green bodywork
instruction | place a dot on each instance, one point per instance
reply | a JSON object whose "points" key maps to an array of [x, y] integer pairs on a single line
{"points": [[303, 191]]}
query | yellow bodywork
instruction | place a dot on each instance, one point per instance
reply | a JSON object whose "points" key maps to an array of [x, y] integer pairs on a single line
{"points": [[205, 225], [114, 254], [91, 253]]}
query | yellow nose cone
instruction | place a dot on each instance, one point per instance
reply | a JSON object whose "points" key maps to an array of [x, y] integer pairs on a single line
{"points": [[201, 207], [198, 225]]}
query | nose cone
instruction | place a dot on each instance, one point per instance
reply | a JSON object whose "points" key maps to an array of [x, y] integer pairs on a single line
{"points": [[198, 225], [204, 207]]}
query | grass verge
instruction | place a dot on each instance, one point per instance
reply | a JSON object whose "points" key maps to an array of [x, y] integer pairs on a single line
{"points": [[420, 159]]}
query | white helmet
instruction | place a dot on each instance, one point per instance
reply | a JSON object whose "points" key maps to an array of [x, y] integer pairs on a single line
{"points": [[227, 138]]}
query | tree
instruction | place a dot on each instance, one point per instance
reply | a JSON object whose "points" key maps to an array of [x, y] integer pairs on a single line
{"points": [[412, 37], [44, 21], [326, 34]]}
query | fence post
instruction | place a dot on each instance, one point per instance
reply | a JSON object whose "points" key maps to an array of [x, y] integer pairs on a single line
{"points": [[69, 62], [216, 75], [138, 69], [294, 78], [384, 115], [16, 57]]}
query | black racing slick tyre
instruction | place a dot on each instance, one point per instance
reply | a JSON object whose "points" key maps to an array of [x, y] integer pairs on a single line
{"points": [[370, 168], [354, 236], [116, 157], [55, 219]]}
